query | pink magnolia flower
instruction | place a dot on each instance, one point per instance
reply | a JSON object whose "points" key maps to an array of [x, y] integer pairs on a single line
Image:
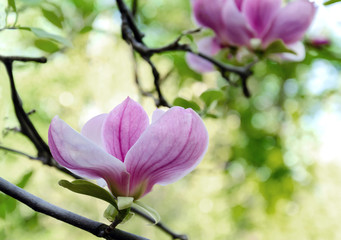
{"points": [[126, 151], [236, 22]]}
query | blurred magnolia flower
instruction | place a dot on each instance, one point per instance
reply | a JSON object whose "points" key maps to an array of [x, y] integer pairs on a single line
{"points": [[240, 22], [126, 151]]}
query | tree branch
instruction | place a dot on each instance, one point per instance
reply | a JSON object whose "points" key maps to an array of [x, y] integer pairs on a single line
{"points": [[134, 37], [39, 205], [134, 7], [26, 126]]}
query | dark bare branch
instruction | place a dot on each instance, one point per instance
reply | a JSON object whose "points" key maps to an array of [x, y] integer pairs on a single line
{"points": [[39, 205]]}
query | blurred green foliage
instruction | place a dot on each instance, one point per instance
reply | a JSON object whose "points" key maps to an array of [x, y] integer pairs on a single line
{"points": [[261, 178]]}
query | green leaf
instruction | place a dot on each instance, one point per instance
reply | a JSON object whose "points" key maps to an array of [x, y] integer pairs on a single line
{"points": [[90, 189], [211, 95], [46, 45], [85, 29], [186, 104], [11, 3], [52, 17], [190, 37], [124, 202], [277, 47], [86, 7], [148, 210], [43, 34], [25, 179], [331, 2]]}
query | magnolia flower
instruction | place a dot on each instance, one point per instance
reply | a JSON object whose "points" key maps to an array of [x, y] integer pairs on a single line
{"points": [[126, 151], [237, 22]]}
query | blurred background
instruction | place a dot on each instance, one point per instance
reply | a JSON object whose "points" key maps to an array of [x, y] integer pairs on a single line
{"points": [[272, 170]]}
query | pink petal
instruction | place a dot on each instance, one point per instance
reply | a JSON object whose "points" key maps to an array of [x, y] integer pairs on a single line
{"points": [[208, 13], [75, 152], [239, 4], [291, 22], [123, 126], [235, 30], [157, 114], [208, 46], [93, 129], [169, 149], [260, 13]]}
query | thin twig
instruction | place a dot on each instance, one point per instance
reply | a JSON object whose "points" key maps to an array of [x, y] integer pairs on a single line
{"points": [[160, 225], [22, 59], [39, 205], [19, 152], [137, 79]]}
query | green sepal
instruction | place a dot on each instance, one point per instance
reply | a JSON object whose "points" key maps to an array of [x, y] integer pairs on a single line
{"points": [[148, 210], [110, 213], [277, 46], [88, 188], [124, 202]]}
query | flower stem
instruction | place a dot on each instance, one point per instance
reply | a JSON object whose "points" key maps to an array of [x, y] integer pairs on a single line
{"points": [[122, 214]]}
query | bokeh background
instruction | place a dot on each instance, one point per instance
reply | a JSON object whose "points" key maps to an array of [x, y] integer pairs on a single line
{"points": [[272, 170]]}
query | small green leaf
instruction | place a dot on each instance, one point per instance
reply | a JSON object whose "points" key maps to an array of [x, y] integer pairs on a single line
{"points": [[124, 202], [25, 179], [148, 210], [90, 189], [211, 95], [331, 2], [52, 17], [186, 104], [190, 37], [110, 213], [11, 3], [43, 34], [85, 29], [46, 45], [277, 47]]}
